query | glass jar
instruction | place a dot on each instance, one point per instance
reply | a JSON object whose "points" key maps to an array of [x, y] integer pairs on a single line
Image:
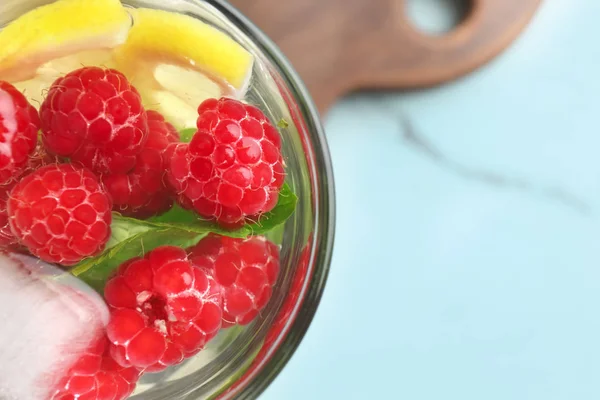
{"points": [[241, 362]]}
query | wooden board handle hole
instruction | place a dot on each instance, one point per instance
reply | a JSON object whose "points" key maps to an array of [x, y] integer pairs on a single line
{"points": [[437, 17]]}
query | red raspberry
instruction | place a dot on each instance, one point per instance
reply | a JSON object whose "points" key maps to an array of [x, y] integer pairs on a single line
{"points": [[281, 323], [246, 269], [163, 309], [39, 159], [162, 133], [142, 192], [232, 169], [19, 126], [95, 117], [60, 213], [96, 376], [7, 239]]}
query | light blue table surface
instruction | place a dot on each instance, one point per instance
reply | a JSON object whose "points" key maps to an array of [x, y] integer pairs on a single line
{"points": [[467, 259]]}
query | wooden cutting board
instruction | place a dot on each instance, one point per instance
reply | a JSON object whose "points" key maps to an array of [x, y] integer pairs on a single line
{"points": [[339, 46]]}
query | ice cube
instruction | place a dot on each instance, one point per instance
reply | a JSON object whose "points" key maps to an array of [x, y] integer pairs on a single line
{"points": [[48, 318]]}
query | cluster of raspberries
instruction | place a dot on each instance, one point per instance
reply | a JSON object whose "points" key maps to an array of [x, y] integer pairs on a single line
{"points": [[93, 149], [101, 151], [166, 306]]}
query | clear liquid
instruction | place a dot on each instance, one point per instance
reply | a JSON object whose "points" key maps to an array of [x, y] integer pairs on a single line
{"points": [[174, 89]]}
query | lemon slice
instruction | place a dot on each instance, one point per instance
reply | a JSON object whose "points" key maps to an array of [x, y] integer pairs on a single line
{"points": [[182, 40], [58, 29], [181, 114], [191, 86], [173, 90], [180, 93]]}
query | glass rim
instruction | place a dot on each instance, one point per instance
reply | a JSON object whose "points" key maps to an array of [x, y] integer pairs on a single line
{"points": [[324, 219]]}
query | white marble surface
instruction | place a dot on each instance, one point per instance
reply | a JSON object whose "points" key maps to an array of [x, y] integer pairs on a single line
{"points": [[467, 260]]}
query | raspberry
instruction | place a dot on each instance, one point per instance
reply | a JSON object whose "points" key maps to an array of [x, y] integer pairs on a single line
{"points": [[60, 213], [142, 192], [246, 269], [19, 125], [281, 323], [8, 240], [39, 159], [95, 116], [161, 132], [163, 309], [96, 376], [232, 169]]}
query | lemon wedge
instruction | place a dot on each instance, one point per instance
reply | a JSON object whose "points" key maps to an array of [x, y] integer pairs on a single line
{"points": [[180, 92], [173, 90], [191, 86], [182, 40], [58, 29], [181, 114]]}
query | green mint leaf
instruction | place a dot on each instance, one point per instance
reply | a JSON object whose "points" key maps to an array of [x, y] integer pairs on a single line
{"points": [[180, 218], [186, 135], [96, 271], [132, 237], [284, 209], [122, 229]]}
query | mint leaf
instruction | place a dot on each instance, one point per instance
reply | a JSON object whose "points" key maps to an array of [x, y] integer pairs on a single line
{"points": [[277, 216], [185, 135], [132, 237], [180, 218], [96, 271], [122, 229]]}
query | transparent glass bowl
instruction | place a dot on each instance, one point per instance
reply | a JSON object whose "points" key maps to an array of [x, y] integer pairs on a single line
{"points": [[241, 362]]}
